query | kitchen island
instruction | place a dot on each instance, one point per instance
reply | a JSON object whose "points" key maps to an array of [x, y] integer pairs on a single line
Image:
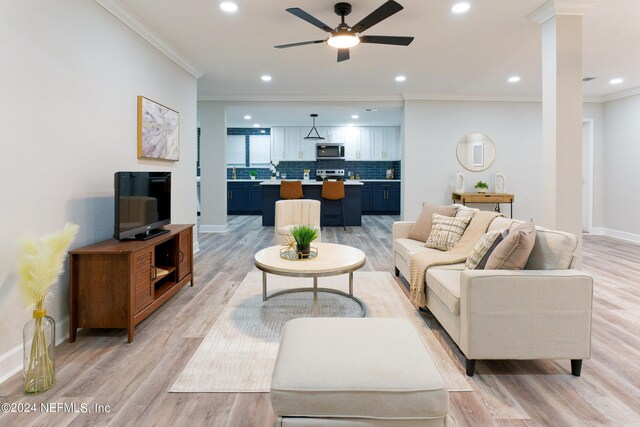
{"points": [[313, 190]]}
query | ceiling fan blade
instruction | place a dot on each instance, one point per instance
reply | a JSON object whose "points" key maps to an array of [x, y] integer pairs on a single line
{"points": [[380, 14], [394, 40], [343, 55], [310, 19], [282, 46]]}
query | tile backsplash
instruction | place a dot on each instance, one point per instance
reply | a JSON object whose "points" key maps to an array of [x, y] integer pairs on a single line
{"points": [[295, 170]]}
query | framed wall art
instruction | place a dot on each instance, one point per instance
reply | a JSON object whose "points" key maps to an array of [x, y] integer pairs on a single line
{"points": [[158, 131]]}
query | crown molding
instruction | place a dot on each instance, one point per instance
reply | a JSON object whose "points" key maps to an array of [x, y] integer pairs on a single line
{"points": [[621, 94], [133, 21], [301, 98], [560, 7], [467, 97]]}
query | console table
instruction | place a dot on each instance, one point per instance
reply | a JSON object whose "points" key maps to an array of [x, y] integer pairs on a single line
{"points": [[117, 284], [496, 198]]}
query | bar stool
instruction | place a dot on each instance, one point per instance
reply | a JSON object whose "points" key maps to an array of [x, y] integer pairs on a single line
{"points": [[290, 190], [334, 190]]}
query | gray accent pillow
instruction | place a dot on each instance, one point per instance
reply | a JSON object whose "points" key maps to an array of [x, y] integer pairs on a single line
{"points": [[481, 248]]}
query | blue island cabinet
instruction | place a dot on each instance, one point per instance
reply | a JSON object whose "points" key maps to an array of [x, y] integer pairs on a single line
{"points": [[244, 198], [382, 198]]}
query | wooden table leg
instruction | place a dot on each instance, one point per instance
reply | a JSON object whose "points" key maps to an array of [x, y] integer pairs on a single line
{"points": [[264, 286], [315, 297], [351, 283]]}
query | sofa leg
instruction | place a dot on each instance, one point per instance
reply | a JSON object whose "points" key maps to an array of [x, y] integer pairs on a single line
{"points": [[576, 367], [471, 367], [397, 272]]}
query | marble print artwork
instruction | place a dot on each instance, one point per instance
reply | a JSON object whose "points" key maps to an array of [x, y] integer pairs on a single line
{"points": [[158, 136]]}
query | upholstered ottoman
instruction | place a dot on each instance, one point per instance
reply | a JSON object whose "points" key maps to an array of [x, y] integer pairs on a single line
{"points": [[356, 372]]}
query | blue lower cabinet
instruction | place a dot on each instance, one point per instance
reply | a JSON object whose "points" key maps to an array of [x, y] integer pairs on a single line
{"points": [[244, 198], [384, 198], [367, 189]]}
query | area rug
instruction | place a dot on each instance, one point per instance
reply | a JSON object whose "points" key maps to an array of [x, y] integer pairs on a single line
{"points": [[238, 353]]}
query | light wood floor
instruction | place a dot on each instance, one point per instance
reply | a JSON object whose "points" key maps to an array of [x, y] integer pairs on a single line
{"points": [[134, 379]]}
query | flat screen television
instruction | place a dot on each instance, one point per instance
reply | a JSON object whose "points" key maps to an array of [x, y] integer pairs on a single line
{"points": [[142, 204]]}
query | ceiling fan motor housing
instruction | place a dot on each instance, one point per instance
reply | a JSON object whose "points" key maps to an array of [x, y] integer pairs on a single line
{"points": [[342, 9]]}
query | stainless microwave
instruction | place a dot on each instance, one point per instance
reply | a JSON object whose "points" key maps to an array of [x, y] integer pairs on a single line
{"points": [[329, 151]]}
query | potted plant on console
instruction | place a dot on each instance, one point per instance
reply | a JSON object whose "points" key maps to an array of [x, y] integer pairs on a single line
{"points": [[304, 235], [482, 187]]}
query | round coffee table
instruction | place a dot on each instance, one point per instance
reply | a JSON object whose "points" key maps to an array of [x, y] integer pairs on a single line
{"points": [[332, 260]]}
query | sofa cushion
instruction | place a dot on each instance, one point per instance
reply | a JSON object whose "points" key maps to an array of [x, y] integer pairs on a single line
{"points": [[553, 250], [446, 232], [407, 247], [501, 223], [422, 228], [513, 252], [445, 283], [484, 244], [361, 368]]}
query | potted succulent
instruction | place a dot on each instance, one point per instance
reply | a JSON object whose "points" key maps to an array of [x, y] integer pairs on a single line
{"points": [[482, 187], [253, 173], [304, 235]]}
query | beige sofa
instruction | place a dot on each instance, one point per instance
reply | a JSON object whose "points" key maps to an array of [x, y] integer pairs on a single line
{"points": [[542, 312]]}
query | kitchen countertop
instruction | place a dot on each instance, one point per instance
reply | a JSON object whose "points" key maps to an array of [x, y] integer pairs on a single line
{"points": [[277, 182], [245, 180], [380, 180]]}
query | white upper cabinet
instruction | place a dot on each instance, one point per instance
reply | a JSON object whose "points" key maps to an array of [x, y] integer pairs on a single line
{"points": [[259, 150], [391, 143], [277, 144], [236, 150], [292, 138], [357, 143], [335, 135], [376, 142]]}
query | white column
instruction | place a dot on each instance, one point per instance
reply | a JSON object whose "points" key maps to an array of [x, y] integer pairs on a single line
{"points": [[213, 167], [561, 24]]}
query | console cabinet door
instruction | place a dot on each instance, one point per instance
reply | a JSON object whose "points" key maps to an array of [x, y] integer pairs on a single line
{"points": [[143, 262], [184, 254]]}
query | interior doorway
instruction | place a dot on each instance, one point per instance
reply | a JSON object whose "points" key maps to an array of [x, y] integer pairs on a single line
{"points": [[587, 175]]}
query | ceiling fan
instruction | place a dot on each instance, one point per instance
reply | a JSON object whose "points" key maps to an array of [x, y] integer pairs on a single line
{"points": [[343, 36]]}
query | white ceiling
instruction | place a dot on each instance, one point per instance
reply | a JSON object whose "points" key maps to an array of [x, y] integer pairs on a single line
{"points": [[457, 55]]}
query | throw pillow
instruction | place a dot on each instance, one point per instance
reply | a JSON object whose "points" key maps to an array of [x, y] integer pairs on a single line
{"points": [[446, 232], [482, 248], [422, 228], [483, 262], [513, 252]]}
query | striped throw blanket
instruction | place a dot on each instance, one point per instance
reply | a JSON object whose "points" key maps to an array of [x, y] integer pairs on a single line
{"points": [[421, 261]]}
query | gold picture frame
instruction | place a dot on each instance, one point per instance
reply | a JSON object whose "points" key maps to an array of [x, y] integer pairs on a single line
{"points": [[158, 131]]}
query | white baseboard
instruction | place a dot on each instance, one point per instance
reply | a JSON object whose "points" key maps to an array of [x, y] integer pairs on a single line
{"points": [[623, 235], [213, 228], [11, 361]]}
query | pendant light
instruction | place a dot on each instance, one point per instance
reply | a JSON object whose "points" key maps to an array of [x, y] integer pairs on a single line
{"points": [[317, 136]]}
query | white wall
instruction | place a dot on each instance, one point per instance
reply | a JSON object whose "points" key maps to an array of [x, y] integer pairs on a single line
{"points": [[621, 201], [70, 73], [431, 133]]}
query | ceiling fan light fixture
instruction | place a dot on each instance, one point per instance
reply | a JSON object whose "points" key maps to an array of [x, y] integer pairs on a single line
{"points": [[343, 40]]}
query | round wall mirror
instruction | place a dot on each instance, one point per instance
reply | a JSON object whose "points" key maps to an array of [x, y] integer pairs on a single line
{"points": [[476, 151]]}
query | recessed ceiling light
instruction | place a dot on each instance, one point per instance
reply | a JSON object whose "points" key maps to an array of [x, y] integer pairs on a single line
{"points": [[256, 125], [460, 7], [616, 81], [247, 117], [400, 78], [266, 78], [514, 79], [355, 116], [263, 131], [229, 7]]}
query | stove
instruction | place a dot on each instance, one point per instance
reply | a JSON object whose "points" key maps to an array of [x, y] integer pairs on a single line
{"points": [[337, 174]]}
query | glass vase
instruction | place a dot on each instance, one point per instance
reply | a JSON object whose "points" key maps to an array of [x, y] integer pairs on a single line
{"points": [[39, 338]]}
